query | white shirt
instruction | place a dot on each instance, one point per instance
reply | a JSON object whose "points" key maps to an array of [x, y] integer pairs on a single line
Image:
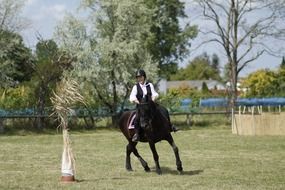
{"points": [[133, 95]]}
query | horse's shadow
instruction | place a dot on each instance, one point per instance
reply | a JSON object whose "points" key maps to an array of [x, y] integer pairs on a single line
{"points": [[166, 170]]}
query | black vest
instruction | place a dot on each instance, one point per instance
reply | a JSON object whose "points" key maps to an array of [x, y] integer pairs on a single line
{"points": [[140, 92]]}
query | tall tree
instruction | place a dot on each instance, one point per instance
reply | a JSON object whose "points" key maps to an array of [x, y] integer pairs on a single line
{"points": [[48, 67], [170, 42], [109, 56], [13, 53], [15, 58], [282, 65], [10, 18], [242, 28]]}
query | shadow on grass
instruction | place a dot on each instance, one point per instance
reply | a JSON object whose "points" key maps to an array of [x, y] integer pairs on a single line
{"points": [[166, 170], [100, 179]]}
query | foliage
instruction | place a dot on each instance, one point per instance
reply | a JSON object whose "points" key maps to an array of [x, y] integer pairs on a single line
{"points": [[15, 59], [280, 80], [109, 55], [282, 65], [10, 19], [50, 63], [16, 98], [173, 98], [201, 68], [261, 83], [205, 88], [169, 43], [243, 40]]}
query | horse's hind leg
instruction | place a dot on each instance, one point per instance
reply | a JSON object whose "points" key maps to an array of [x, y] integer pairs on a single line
{"points": [[176, 152], [131, 147]]}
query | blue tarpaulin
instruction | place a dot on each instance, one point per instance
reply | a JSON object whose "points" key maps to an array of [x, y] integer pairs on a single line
{"points": [[223, 102], [185, 104], [214, 102]]}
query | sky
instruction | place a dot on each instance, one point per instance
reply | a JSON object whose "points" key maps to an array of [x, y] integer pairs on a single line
{"points": [[44, 15]]}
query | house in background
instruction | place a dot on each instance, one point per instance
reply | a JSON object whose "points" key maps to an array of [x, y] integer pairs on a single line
{"points": [[164, 85]]}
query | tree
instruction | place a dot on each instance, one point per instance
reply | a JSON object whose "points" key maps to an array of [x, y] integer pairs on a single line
{"points": [[216, 63], [242, 28], [169, 43], [10, 19], [14, 56], [109, 56], [280, 90], [282, 65], [201, 68], [262, 83], [205, 88], [49, 65]]}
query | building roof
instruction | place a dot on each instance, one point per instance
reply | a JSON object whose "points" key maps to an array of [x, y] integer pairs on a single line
{"points": [[211, 84]]}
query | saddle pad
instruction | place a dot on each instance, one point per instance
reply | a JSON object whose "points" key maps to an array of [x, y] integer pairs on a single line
{"points": [[131, 123]]}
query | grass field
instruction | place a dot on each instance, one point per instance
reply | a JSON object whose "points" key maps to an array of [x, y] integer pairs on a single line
{"points": [[212, 159]]}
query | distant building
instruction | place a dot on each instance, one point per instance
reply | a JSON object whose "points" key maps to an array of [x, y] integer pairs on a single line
{"points": [[165, 85]]}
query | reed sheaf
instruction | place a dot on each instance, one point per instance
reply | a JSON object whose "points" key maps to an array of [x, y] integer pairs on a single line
{"points": [[66, 95]]}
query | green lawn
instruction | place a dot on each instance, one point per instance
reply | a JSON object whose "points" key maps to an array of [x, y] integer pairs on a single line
{"points": [[212, 159]]}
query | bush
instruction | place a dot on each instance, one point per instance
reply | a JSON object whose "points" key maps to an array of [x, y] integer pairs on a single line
{"points": [[16, 98]]}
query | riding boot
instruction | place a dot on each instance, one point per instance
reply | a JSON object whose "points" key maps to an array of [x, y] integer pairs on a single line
{"points": [[136, 136]]}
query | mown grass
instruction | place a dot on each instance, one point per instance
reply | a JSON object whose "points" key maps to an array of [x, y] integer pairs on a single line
{"points": [[212, 159]]}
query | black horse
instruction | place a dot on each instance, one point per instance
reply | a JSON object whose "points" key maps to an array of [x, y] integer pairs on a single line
{"points": [[155, 126]]}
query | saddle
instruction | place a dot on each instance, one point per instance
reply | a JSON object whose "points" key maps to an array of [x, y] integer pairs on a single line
{"points": [[131, 120]]}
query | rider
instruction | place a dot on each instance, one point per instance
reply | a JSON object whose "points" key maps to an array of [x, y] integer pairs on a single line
{"points": [[141, 89]]}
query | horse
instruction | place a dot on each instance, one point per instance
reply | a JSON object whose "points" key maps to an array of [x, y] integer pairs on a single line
{"points": [[155, 126]]}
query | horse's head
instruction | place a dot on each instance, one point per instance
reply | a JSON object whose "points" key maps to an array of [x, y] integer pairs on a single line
{"points": [[146, 113]]}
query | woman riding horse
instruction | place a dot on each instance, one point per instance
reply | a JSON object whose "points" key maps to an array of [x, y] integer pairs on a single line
{"points": [[154, 120], [140, 90]]}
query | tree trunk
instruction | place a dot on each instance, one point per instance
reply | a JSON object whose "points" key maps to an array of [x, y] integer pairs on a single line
{"points": [[40, 109], [1, 126]]}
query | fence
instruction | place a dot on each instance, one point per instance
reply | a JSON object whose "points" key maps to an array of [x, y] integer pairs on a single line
{"points": [[185, 108]]}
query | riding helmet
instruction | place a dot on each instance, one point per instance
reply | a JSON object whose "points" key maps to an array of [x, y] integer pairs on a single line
{"points": [[140, 73]]}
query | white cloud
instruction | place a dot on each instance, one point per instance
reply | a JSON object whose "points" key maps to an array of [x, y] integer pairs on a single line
{"points": [[30, 2], [57, 11]]}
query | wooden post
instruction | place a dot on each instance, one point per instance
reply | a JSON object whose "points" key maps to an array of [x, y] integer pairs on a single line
{"points": [[188, 119]]}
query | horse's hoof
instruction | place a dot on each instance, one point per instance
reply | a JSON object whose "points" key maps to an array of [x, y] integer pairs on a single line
{"points": [[180, 172], [147, 169], [129, 169], [159, 172]]}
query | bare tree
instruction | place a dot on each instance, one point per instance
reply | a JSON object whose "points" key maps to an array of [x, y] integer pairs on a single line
{"points": [[243, 29], [10, 18]]}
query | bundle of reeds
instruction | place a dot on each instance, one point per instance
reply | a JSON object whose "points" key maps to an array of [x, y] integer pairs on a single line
{"points": [[66, 95]]}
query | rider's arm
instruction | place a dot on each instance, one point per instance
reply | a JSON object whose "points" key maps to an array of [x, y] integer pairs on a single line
{"points": [[133, 95], [154, 94]]}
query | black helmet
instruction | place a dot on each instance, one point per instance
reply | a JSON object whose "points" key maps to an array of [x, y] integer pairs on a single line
{"points": [[140, 73]]}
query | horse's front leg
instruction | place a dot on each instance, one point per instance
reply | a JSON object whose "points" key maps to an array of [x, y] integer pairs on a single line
{"points": [[131, 147], [128, 157], [176, 153], [155, 157]]}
